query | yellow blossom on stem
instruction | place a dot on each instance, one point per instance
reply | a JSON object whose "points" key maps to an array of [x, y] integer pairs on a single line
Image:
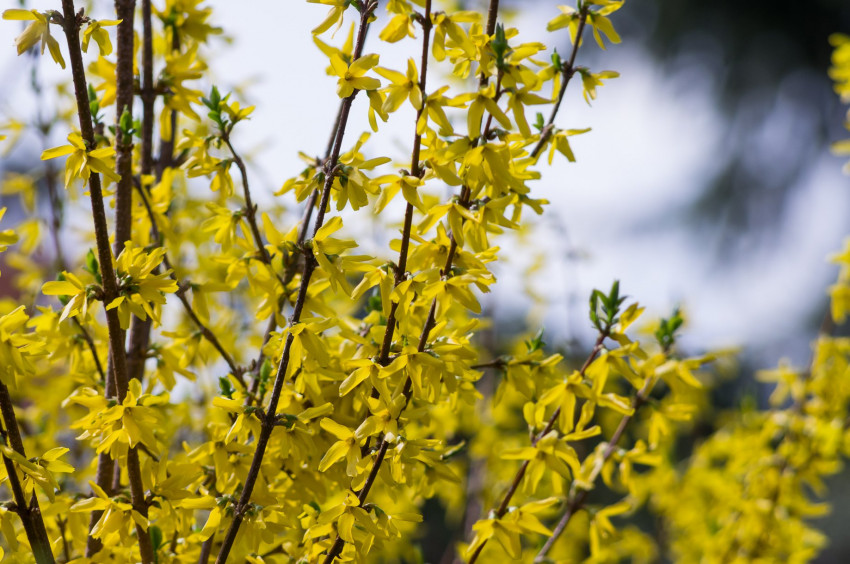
{"points": [[402, 87], [81, 161], [334, 16], [351, 77], [38, 30], [141, 290], [95, 31]]}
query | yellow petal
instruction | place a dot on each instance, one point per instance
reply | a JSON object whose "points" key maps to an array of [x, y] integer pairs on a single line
{"points": [[15, 14], [57, 152]]}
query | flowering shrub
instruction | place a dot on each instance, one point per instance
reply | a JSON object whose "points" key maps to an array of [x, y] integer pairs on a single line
{"points": [[258, 390]]}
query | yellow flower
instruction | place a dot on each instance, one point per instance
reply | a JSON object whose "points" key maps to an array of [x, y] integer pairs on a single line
{"points": [[104, 69], [95, 30], [117, 517], [114, 427], [334, 16], [447, 25], [559, 142], [482, 100], [40, 470], [141, 290], [7, 236], [351, 76], [38, 30], [224, 224], [550, 452], [399, 27], [21, 184], [346, 447], [403, 86], [344, 52], [17, 348], [82, 162], [508, 529], [73, 288], [324, 249]]}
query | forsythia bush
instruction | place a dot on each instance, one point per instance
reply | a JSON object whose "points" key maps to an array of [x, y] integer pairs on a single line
{"points": [[208, 379]]}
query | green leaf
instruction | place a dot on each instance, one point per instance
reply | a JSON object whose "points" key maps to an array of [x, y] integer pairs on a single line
{"points": [[92, 266], [225, 387], [536, 343]]}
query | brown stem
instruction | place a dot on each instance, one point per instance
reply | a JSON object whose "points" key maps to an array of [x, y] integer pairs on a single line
{"points": [[492, 15], [110, 283], [30, 513], [140, 329], [62, 525], [92, 348], [567, 73], [261, 358], [400, 274], [55, 213], [487, 127], [503, 506], [291, 265], [334, 132], [148, 95], [124, 10], [206, 550], [206, 332], [166, 146], [578, 497], [308, 213], [268, 420], [250, 208]]}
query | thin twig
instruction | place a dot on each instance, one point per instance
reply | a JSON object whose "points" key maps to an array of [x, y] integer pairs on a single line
{"points": [[400, 275], [148, 95], [125, 10], [567, 73], [268, 420], [71, 26], [550, 424], [30, 513], [62, 525], [92, 348], [140, 329], [492, 16], [124, 94], [250, 208], [206, 332], [577, 498]]}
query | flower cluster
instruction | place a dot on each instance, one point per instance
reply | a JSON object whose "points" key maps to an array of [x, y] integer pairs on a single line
{"points": [[262, 388]]}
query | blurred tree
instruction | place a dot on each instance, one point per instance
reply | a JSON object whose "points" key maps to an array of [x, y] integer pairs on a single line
{"points": [[767, 63]]}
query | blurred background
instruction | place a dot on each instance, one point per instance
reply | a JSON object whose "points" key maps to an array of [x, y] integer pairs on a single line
{"points": [[706, 181]]}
